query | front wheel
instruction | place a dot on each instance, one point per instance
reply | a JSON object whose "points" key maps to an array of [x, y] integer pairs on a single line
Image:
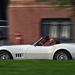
{"points": [[4, 55], [62, 55]]}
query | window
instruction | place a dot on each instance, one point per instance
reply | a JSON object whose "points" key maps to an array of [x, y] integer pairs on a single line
{"points": [[49, 0], [45, 0], [3, 30], [3, 22], [58, 29], [3, 8]]}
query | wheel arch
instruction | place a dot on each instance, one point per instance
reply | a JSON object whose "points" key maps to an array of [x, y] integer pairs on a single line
{"points": [[62, 50], [8, 52]]}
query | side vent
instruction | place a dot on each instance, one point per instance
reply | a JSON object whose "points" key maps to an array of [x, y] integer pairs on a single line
{"points": [[19, 55]]}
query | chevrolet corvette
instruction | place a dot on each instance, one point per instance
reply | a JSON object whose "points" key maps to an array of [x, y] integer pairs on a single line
{"points": [[62, 51]]}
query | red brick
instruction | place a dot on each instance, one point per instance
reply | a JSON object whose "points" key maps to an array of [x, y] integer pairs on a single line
{"points": [[26, 19]]}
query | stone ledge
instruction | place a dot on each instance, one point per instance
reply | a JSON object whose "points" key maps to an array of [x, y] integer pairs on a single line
{"points": [[31, 4]]}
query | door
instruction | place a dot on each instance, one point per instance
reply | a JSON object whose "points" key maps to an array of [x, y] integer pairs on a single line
{"points": [[40, 52]]}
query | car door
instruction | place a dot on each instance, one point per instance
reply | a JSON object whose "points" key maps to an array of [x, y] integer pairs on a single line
{"points": [[39, 52]]}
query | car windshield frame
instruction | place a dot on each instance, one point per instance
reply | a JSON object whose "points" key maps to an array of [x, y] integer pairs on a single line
{"points": [[37, 41]]}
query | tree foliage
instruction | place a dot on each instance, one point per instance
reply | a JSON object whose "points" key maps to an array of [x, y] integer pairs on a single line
{"points": [[62, 4]]}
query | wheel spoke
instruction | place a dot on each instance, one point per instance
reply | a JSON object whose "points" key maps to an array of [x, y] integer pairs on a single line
{"points": [[62, 56], [4, 55]]}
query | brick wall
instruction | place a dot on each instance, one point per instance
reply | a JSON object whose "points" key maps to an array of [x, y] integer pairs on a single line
{"points": [[25, 17]]}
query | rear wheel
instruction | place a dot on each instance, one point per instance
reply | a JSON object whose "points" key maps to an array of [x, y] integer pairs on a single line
{"points": [[5, 55], [62, 55]]}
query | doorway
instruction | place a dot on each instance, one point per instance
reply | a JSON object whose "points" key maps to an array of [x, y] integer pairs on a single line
{"points": [[3, 22]]}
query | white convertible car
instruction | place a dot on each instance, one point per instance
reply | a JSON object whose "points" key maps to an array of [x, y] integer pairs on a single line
{"points": [[61, 51]]}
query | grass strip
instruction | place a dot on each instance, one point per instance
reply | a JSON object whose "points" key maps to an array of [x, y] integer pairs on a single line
{"points": [[37, 67]]}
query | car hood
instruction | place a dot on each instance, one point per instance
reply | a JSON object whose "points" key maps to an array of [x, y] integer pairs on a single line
{"points": [[14, 47]]}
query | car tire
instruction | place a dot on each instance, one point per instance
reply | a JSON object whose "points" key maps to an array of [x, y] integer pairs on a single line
{"points": [[5, 55], [62, 55]]}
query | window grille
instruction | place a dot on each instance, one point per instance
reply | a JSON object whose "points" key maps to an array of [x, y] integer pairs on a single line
{"points": [[57, 28], [49, 0], [45, 0]]}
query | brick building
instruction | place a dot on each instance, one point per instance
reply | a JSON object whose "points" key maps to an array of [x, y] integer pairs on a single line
{"points": [[34, 19]]}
